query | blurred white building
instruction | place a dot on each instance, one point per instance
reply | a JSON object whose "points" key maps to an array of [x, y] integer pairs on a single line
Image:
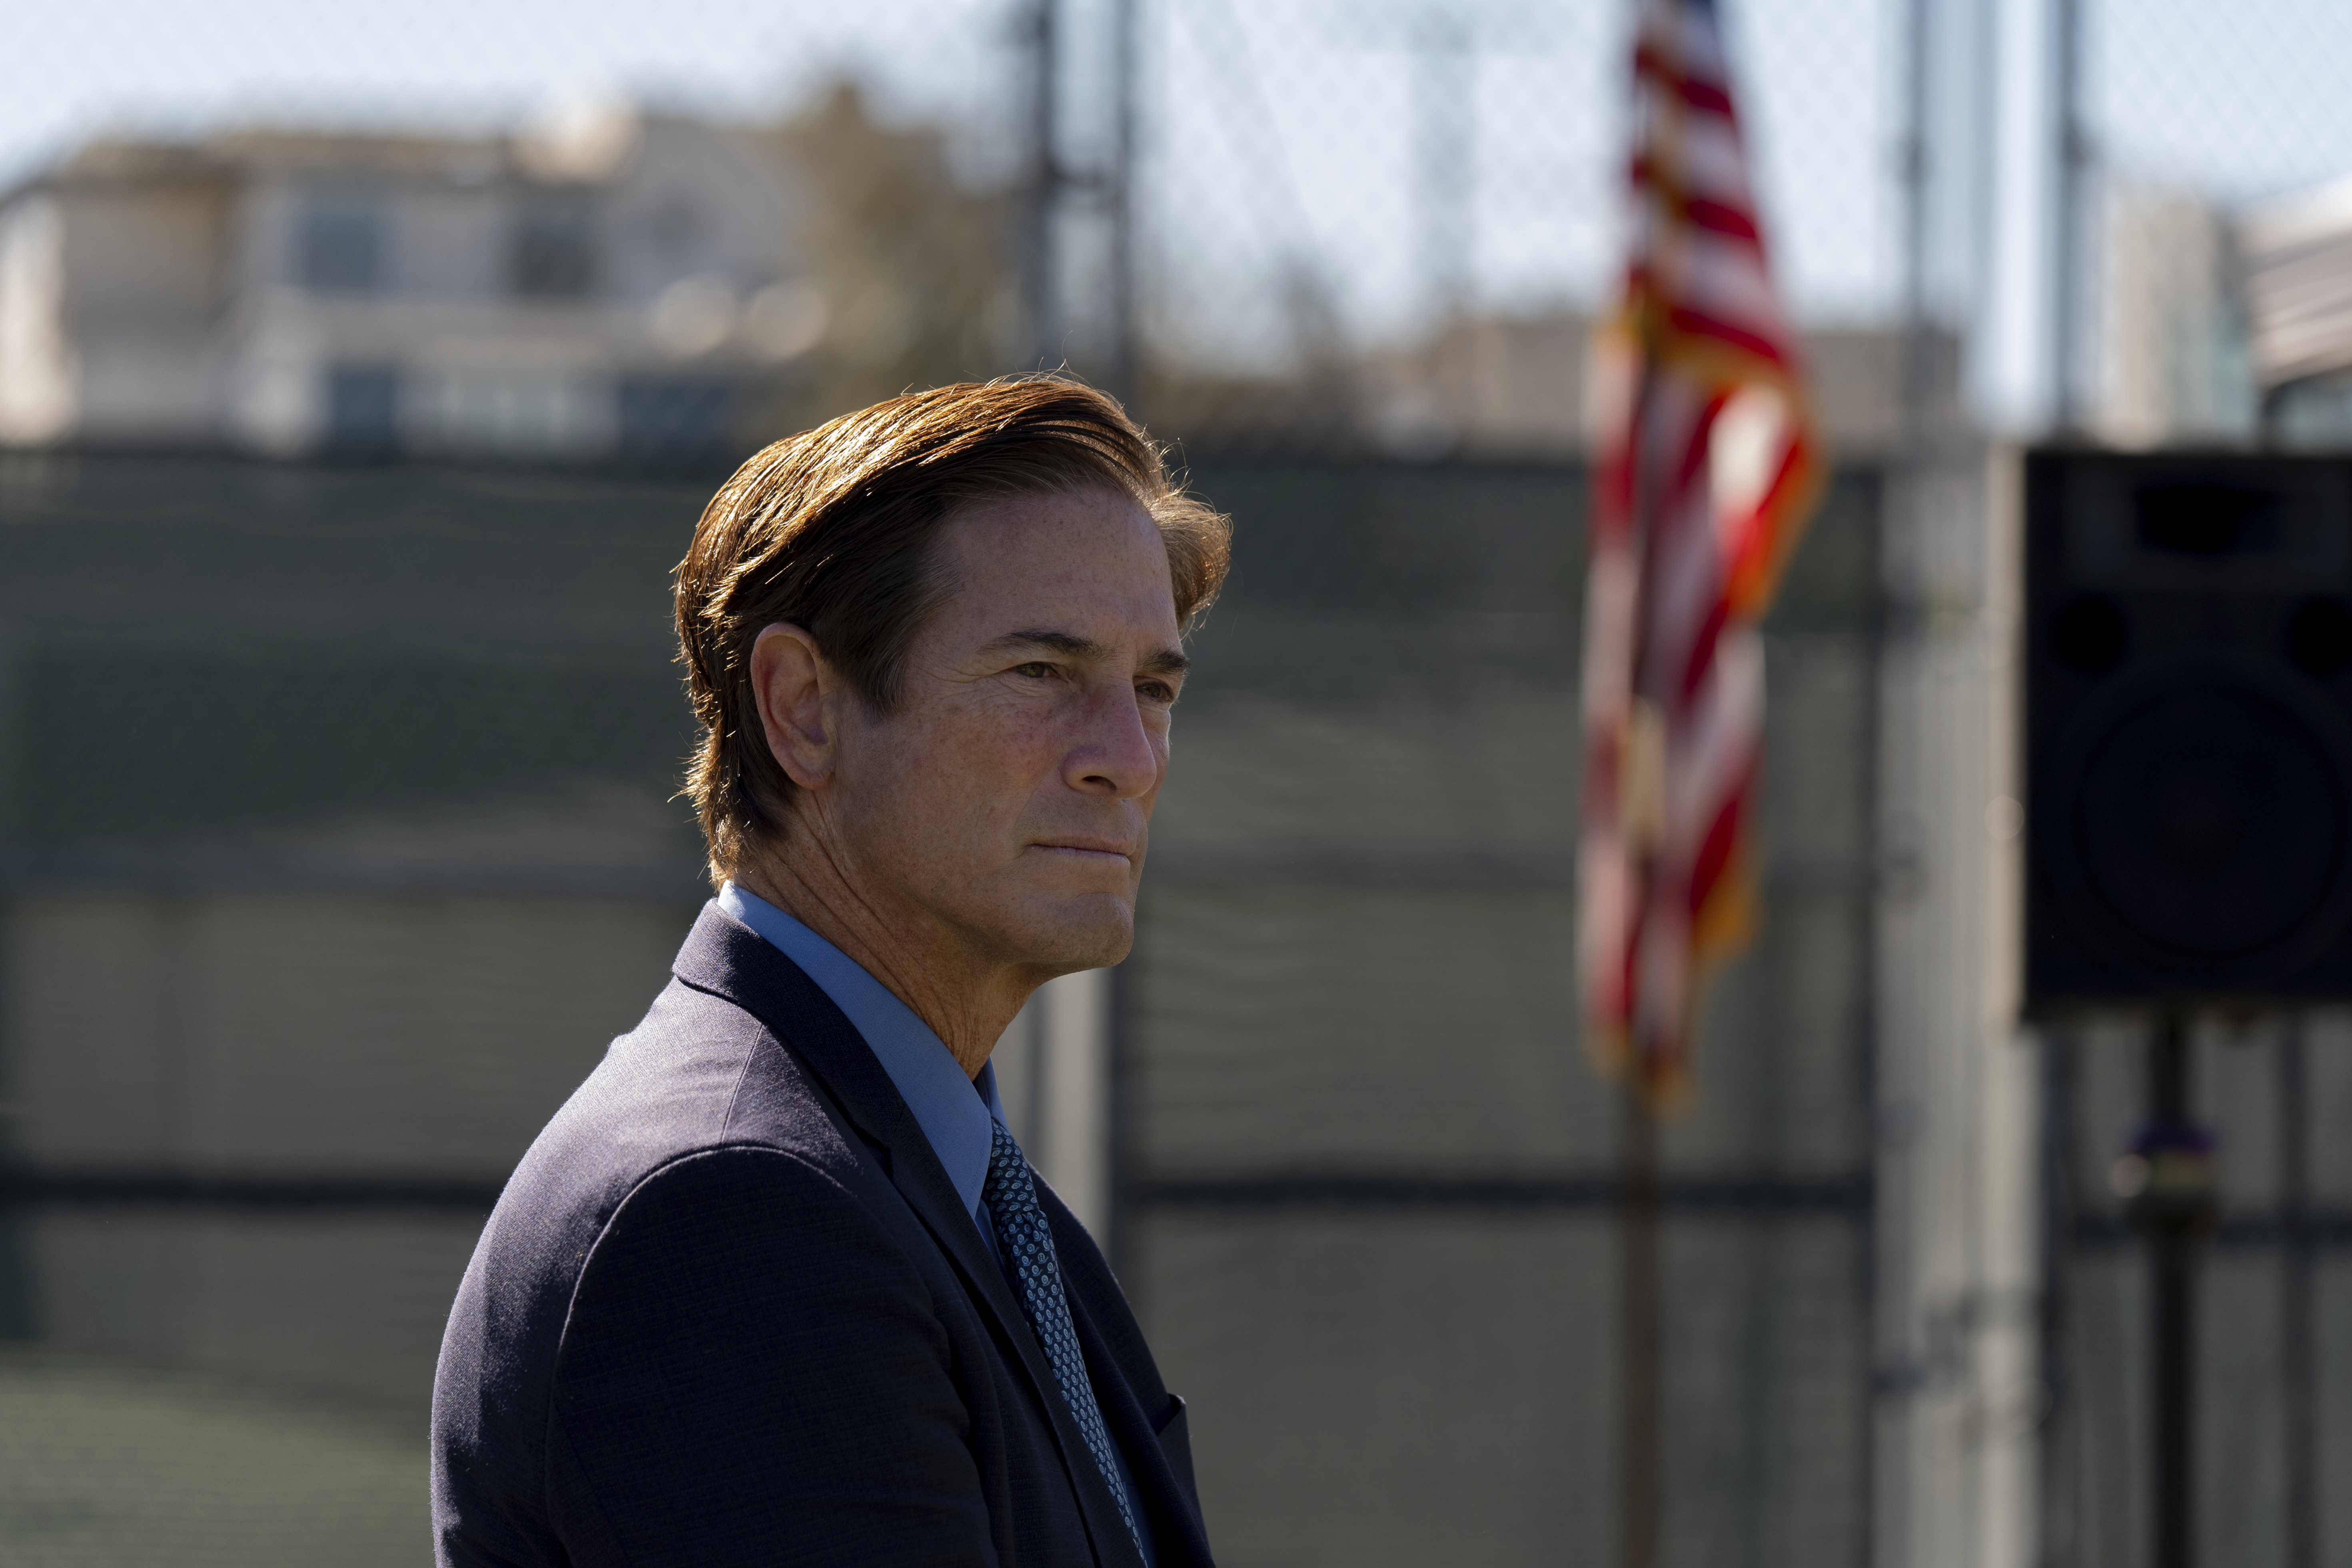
{"points": [[2296, 255], [1511, 387], [604, 283], [2173, 365]]}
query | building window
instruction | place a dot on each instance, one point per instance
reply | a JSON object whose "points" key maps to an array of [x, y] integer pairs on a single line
{"points": [[553, 254], [363, 410], [343, 247]]}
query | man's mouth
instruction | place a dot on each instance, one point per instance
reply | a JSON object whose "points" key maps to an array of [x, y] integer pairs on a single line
{"points": [[1089, 850]]}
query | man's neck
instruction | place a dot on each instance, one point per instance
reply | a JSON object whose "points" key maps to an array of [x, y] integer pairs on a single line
{"points": [[966, 1002]]}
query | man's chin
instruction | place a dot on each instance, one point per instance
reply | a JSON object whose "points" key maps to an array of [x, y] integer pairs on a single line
{"points": [[1093, 931]]}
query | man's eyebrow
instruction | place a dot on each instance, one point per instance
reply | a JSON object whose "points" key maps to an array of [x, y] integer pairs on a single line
{"points": [[1069, 645]]}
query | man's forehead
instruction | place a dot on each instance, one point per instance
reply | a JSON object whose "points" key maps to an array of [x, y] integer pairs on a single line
{"points": [[1093, 566]]}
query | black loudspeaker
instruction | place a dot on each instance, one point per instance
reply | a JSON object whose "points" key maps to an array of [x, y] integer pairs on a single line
{"points": [[2187, 728]]}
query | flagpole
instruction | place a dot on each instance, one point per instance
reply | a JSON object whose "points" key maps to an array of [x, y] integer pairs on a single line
{"points": [[1638, 1275], [1638, 1188], [1664, 889]]}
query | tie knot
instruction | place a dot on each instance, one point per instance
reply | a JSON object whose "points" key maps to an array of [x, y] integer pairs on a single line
{"points": [[1008, 1173]]}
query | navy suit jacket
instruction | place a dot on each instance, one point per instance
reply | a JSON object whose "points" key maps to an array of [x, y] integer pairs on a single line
{"points": [[730, 1310]]}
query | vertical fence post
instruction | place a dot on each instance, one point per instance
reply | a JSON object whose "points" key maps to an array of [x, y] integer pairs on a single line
{"points": [[2073, 147], [1074, 1093], [1044, 196], [1123, 369], [2055, 1501], [1899, 509], [2298, 1361], [1871, 1012], [16, 1292], [2172, 1323], [1639, 1391]]}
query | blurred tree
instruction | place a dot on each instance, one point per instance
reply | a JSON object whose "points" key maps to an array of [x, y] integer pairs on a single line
{"points": [[910, 265]]}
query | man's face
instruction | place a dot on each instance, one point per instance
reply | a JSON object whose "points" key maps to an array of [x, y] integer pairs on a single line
{"points": [[1009, 795]]}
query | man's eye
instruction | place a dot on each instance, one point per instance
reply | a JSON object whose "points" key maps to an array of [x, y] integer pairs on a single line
{"points": [[1156, 692], [1035, 670]]}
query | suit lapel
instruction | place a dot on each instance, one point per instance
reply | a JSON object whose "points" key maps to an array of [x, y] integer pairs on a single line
{"points": [[1182, 1539], [728, 958], [1179, 1534]]}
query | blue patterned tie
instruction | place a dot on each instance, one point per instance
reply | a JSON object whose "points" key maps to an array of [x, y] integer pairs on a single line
{"points": [[1028, 1246]]}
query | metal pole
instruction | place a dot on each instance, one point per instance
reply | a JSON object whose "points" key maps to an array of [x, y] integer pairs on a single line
{"points": [[1639, 1328], [1888, 1263], [2172, 1323], [1447, 204], [1121, 373], [2298, 1360], [1914, 234], [2073, 156], [1871, 1257], [2055, 1505], [1638, 1240], [16, 1283], [1118, 1245], [1044, 190], [1638, 1325]]}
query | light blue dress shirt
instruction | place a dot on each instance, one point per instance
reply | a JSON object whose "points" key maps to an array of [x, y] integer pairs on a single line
{"points": [[956, 1120]]}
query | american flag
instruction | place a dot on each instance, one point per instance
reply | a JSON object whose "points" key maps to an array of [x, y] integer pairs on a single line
{"points": [[1707, 465]]}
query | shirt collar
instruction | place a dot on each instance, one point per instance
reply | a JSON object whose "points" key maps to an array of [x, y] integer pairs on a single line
{"points": [[958, 1121]]}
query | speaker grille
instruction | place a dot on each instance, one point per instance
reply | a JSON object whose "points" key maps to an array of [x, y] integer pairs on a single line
{"points": [[2189, 823], [2206, 813]]}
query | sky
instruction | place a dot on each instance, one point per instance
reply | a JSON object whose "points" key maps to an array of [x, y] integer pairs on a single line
{"points": [[1274, 128], [73, 64], [2230, 99], [1283, 138]]}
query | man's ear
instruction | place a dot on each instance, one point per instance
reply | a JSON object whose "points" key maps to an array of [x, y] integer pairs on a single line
{"points": [[797, 692]]}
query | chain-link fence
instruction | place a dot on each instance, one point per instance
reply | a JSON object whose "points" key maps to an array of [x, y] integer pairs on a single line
{"points": [[340, 842], [362, 375], [2197, 194], [1371, 1182], [516, 233]]}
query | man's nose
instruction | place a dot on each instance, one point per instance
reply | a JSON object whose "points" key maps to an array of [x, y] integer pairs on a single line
{"points": [[1115, 752]]}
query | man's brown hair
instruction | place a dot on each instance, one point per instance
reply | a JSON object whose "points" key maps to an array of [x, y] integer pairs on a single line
{"points": [[835, 531]]}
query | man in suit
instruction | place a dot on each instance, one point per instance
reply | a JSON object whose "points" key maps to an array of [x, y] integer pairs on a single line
{"points": [[776, 1285]]}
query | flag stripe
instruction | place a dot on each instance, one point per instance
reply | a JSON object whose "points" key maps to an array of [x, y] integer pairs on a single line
{"points": [[1683, 552]]}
